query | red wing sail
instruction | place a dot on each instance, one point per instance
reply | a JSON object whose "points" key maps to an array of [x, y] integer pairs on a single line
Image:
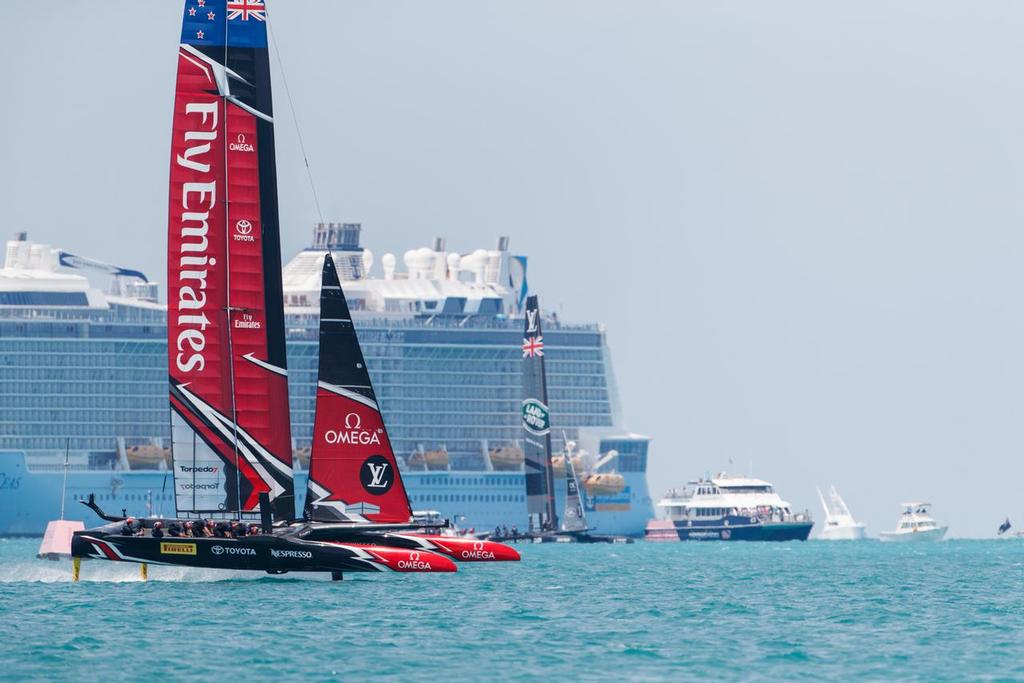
{"points": [[231, 433], [353, 474]]}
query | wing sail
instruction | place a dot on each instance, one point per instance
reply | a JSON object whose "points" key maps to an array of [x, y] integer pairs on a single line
{"points": [[231, 434], [353, 473], [540, 499]]}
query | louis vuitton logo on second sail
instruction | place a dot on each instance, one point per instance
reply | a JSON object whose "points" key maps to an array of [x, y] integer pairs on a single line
{"points": [[376, 475]]}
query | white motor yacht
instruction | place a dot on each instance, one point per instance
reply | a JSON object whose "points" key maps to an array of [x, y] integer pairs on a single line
{"points": [[915, 524], [839, 523]]}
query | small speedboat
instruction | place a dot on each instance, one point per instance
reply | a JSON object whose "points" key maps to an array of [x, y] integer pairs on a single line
{"points": [[839, 523], [915, 524]]}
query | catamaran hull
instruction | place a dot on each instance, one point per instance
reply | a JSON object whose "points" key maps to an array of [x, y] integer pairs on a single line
{"points": [[459, 549], [270, 553]]}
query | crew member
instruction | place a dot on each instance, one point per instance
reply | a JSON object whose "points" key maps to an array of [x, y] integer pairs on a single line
{"points": [[126, 528], [238, 530], [158, 530], [174, 529]]}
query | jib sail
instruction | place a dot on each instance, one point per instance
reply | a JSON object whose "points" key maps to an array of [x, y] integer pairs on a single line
{"points": [[353, 474], [540, 499], [575, 519], [231, 434]]}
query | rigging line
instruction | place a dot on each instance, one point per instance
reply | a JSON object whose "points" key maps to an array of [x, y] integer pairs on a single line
{"points": [[295, 118], [227, 272]]}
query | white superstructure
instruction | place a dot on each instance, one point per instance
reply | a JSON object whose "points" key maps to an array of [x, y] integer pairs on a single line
{"points": [[839, 523], [915, 524], [724, 496], [434, 281]]}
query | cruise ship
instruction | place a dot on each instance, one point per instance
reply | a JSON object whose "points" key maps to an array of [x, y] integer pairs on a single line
{"points": [[83, 384]]}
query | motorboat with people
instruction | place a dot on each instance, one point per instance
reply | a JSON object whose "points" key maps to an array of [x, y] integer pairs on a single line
{"points": [[729, 508], [839, 523], [230, 429], [915, 525]]}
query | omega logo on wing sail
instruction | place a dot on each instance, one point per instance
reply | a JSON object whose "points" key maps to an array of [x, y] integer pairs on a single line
{"points": [[197, 201], [240, 145]]}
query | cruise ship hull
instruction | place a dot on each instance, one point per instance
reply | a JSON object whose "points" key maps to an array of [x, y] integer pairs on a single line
{"points": [[759, 531], [482, 500]]}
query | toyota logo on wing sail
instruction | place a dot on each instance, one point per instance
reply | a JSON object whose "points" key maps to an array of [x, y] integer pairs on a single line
{"points": [[243, 231]]}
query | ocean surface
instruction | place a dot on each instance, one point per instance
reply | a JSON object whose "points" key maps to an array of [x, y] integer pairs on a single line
{"points": [[682, 611]]}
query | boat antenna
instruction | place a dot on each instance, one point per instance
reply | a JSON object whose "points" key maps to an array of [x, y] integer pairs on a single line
{"points": [[295, 119], [64, 488]]}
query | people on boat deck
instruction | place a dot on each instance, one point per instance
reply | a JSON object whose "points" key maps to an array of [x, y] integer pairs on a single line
{"points": [[191, 529]]}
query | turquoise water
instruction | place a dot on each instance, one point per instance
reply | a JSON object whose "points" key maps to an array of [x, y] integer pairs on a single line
{"points": [[732, 611]]}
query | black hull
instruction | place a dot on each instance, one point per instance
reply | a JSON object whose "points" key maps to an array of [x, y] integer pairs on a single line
{"points": [[766, 531], [273, 554]]}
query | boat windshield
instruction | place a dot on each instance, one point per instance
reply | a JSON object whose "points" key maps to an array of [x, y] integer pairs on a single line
{"points": [[748, 489]]}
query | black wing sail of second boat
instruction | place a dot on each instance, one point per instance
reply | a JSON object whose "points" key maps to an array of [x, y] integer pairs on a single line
{"points": [[540, 499]]}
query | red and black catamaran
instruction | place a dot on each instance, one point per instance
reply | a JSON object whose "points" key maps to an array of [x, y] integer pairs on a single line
{"points": [[230, 426]]}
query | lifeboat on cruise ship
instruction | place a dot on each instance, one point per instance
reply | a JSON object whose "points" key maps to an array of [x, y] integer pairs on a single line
{"points": [[431, 460], [507, 458], [147, 457], [604, 484]]}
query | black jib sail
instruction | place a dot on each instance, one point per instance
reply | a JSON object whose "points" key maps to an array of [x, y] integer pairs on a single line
{"points": [[353, 474], [540, 499]]}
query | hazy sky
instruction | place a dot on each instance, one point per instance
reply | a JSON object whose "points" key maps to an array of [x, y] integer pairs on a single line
{"points": [[800, 221]]}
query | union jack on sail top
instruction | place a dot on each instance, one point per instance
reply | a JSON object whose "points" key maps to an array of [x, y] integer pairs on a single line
{"points": [[533, 346], [247, 8]]}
